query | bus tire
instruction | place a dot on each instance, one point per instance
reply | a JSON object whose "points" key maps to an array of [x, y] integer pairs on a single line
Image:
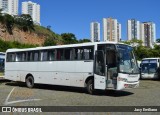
{"points": [[30, 82], [90, 87]]}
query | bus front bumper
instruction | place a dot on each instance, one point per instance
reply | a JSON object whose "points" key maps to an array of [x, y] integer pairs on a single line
{"points": [[126, 85], [149, 76]]}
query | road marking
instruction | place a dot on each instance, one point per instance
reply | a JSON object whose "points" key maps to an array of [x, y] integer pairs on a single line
{"points": [[18, 101]]}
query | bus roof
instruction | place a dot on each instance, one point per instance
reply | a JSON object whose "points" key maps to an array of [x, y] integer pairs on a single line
{"points": [[150, 58], [63, 46], [2, 53]]}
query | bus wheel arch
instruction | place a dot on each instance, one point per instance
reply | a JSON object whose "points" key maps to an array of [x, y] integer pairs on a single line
{"points": [[88, 78], [29, 81], [89, 84]]}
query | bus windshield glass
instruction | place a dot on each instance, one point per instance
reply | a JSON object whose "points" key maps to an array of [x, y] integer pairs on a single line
{"points": [[149, 66], [127, 61]]}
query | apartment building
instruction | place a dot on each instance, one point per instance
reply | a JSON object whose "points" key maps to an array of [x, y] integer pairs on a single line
{"points": [[111, 30], [133, 29], [148, 34], [33, 9], [95, 31], [9, 6]]}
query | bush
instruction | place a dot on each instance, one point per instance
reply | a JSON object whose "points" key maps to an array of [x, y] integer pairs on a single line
{"points": [[7, 45], [23, 22], [50, 42]]}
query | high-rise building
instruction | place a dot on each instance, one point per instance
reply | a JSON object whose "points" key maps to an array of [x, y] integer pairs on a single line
{"points": [[33, 9], [95, 32], [0, 4], [133, 29], [9, 6], [111, 30], [148, 33]]}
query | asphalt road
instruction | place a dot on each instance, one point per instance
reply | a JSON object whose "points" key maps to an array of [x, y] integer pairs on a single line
{"points": [[16, 94]]}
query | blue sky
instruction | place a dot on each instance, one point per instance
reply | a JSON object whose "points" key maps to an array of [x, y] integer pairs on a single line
{"points": [[75, 16]]}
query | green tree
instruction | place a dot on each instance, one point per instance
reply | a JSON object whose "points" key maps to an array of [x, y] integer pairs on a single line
{"points": [[133, 42], [157, 47], [24, 22], [84, 40], [141, 52], [1, 17], [49, 42], [9, 22], [69, 38], [144, 52], [156, 50]]}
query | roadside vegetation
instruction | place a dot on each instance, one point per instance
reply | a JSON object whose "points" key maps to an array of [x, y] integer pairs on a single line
{"points": [[4, 45], [142, 51]]}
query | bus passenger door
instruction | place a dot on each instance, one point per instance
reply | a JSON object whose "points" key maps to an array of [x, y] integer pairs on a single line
{"points": [[99, 71]]}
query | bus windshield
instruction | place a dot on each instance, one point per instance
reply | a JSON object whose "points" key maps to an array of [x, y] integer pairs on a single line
{"points": [[149, 66], [127, 61]]}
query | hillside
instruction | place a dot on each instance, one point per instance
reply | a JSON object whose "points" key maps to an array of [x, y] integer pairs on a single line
{"points": [[20, 32], [35, 37]]}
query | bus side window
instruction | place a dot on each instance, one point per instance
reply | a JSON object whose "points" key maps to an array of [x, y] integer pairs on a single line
{"points": [[79, 53], [23, 56], [72, 53], [75, 54], [44, 56], [52, 55], [30, 56], [36, 56], [88, 53], [68, 54], [60, 54], [11, 57], [18, 57]]}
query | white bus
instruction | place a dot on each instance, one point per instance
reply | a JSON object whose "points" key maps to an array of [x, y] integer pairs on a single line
{"points": [[2, 58], [150, 68], [97, 65]]}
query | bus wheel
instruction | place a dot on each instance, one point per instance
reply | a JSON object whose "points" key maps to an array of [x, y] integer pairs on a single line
{"points": [[30, 82], [90, 87]]}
